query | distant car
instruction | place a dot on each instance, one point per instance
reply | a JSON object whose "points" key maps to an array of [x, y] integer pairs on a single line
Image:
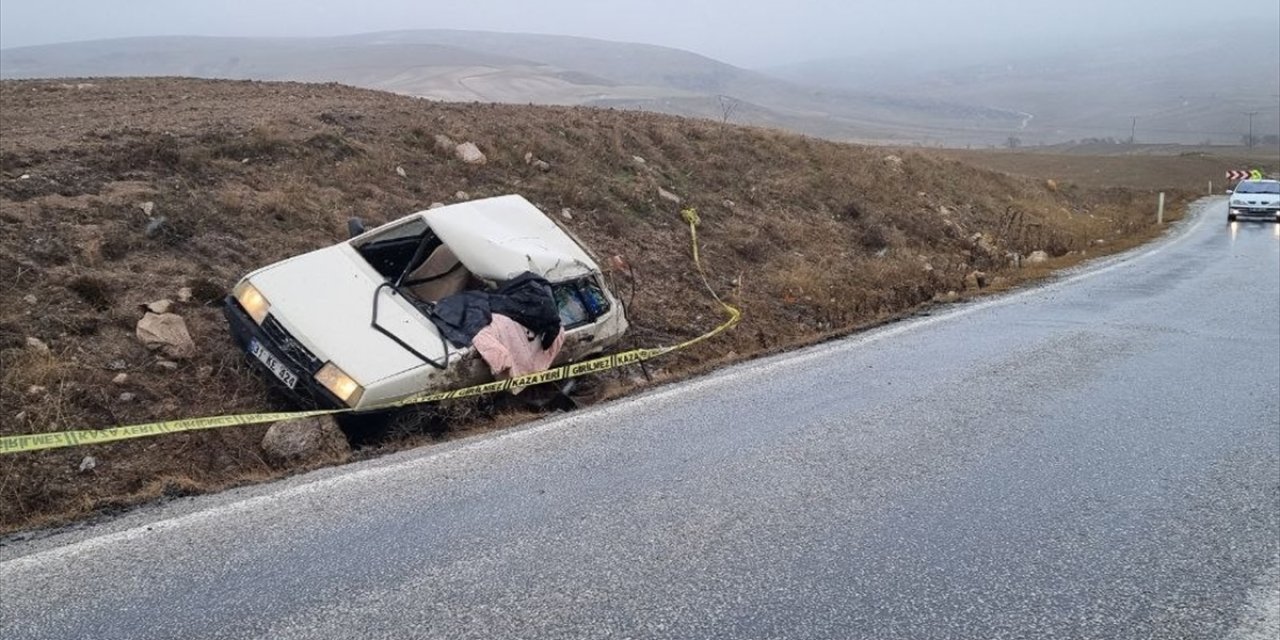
{"points": [[356, 324], [1255, 199]]}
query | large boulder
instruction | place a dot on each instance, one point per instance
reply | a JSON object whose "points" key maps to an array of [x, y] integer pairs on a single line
{"points": [[167, 333], [315, 439]]}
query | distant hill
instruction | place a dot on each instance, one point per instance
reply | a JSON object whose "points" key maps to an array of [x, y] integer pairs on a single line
{"points": [[1191, 87], [522, 68]]}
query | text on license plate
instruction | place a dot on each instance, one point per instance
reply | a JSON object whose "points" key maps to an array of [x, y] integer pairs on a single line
{"points": [[289, 378]]}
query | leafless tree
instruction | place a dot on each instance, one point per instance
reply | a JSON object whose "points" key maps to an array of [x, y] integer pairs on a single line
{"points": [[728, 105]]}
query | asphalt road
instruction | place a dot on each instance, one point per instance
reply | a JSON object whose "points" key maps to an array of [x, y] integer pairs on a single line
{"points": [[1095, 458]]}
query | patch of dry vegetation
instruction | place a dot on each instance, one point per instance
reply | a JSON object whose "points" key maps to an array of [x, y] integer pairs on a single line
{"points": [[1173, 168], [810, 238]]}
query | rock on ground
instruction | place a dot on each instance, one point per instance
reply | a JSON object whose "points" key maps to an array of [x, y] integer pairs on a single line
{"points": [[469, 153], [975, 280], [166, 332], [159, 306], [1036, 257], [311, 439]]}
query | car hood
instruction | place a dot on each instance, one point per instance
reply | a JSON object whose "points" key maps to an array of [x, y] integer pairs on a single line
{"points": [[325, 300], [500, 238]]}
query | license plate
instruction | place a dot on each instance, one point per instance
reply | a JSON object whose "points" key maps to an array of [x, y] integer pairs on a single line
{"points": [[289, 378]]}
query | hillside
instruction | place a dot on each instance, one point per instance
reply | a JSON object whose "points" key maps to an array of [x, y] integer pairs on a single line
{"points": [[519, 69], [1187, 87], [115, 193]]}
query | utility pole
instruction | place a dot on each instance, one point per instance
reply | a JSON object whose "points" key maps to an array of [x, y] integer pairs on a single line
{"points": [[1251, 114], [1133, 130]]}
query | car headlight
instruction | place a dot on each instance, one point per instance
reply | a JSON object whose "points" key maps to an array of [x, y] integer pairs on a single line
{"points": [[252, 300], [340, 384]]}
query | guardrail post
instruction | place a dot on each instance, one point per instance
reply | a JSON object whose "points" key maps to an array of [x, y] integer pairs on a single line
{"points": [[1160, 210]]}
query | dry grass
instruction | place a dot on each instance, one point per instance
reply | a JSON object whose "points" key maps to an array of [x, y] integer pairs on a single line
{"points": [[1173, 168], [812, 239]]}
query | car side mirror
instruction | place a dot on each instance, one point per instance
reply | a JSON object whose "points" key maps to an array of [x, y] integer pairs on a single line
{"points": [[1229, 192], [355, 227]]}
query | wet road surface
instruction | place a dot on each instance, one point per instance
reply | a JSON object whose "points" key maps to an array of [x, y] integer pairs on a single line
{"points": [[1095, 458]]}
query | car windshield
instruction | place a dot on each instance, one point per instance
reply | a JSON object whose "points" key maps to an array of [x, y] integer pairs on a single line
{"points": [[1258, 187]]}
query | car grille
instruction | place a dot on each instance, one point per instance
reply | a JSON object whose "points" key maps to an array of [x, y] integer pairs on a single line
{"points": [[290, 347]]}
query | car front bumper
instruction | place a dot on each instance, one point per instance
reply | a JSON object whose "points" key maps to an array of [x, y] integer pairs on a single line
{"points": [[1254, 213], [306, 392]]}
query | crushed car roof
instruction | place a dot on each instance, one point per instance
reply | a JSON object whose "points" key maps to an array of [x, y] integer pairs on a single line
{"points": [[500, 238]]}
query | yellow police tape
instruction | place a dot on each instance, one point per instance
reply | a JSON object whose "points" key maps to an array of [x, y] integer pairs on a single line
{"points": [[41, 441]]}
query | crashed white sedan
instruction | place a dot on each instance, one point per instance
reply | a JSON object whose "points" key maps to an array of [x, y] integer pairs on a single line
{"points": [[436, 300]]}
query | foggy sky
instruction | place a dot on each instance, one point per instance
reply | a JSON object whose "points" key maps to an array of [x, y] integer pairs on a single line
{"points": [[748, 33]]}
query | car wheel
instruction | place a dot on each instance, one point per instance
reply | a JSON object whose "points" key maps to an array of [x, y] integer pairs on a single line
{"points": [[1231, 217]]}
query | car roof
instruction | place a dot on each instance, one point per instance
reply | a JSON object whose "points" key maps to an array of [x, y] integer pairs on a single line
{"points": [[500, 238]]}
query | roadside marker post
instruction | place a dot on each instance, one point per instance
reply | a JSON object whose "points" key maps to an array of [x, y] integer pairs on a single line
{"points": [[1160, 210]]}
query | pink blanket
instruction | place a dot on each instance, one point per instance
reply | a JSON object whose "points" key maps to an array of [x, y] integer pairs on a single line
{"points": [[511, 351]]}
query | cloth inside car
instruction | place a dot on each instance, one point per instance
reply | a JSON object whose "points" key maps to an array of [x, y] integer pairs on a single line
{"points": [[511, 350], [526, 299]]}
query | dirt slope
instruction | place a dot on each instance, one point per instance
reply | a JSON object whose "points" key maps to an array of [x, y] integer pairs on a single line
{"points": [[810, 238]]}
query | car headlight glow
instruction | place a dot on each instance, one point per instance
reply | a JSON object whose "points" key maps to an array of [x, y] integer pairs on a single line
{"points": [[252, 300], [340, 384]]}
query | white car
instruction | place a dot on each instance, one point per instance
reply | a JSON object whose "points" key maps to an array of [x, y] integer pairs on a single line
{"points": [[1255, 199], [356, 324]]}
